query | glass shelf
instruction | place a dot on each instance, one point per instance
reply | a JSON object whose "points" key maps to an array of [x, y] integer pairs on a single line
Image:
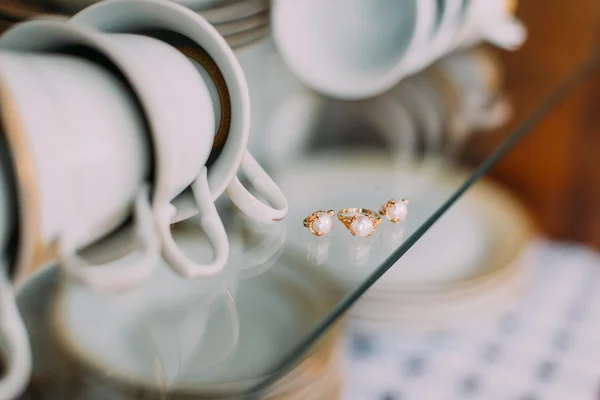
{"points": [[285, 292]]}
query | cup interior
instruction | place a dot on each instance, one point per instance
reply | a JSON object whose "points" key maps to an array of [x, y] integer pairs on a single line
{"points": [[9, 211], [346, 40], [439, 15]]}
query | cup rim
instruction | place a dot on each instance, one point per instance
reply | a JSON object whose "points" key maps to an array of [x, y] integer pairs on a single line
{"points": [[156, 14]]}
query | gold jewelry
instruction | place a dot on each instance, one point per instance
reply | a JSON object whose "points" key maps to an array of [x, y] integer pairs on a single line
{"points": [[361, 222], [395, 210], [320, 222]]}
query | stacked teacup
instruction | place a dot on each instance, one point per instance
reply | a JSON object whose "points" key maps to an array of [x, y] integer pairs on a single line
{"points": [[106, 119], [353, 49]]}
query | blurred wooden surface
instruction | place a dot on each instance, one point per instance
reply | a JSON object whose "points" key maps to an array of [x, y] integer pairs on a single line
{"points": [[556, 169]]}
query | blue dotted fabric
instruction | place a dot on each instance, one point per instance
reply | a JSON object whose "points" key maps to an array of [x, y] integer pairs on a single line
{"points": [[546, 347]]}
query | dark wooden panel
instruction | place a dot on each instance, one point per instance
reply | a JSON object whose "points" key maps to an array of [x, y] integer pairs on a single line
{"points": [[552, 169]]}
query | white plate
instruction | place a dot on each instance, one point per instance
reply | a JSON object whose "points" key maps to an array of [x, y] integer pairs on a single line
{"points": [[243, 25], [247, 37], [456, 313], [235, 11], [215, 11], [503, 221], [160, 325], [163, 320]]}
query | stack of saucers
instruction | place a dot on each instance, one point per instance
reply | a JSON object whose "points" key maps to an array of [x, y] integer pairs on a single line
{"points": [[241, 22], [483, 283], [182, 339], [464, 270]]}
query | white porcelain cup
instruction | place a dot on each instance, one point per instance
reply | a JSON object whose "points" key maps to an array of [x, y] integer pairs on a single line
{"points": [[182, 148], [83, 129], [14, 342], [173, 97], [352, 49], [447, 25], [200, 41], [492, 21]]}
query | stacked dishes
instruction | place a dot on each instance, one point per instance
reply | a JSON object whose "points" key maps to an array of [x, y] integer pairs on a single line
{"points": [[429, 289], [208, 339], [241, 22]]}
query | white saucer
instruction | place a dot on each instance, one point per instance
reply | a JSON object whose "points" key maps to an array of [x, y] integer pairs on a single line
{"points": [[139, 327], [234, 11], [175, 333], [247, 37], [243, 25]]}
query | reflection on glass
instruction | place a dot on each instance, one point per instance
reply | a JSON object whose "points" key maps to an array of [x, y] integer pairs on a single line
{"points": [[318, 248], [359, 250], [393, 235]]}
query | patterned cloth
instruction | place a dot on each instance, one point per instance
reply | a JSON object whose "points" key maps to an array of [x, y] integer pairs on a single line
{"points": [[545, 348]]}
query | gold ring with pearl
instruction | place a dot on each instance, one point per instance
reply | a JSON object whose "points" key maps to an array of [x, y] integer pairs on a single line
{"points": [[359, 221], [320, 222], [395, 210]]}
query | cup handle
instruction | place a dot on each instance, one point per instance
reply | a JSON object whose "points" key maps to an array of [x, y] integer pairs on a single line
{"points": [[509, 34], [15, 343], [211, 224], [120, 274], [495, 114], [269, 249], [250, 205]]}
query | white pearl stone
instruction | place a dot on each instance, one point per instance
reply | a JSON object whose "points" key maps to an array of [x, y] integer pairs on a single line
{"points": [[323, 223], [362, 226], [398, 211]]}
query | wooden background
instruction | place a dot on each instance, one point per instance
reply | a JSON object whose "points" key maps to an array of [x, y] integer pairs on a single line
{"points": [[555, 169]]}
